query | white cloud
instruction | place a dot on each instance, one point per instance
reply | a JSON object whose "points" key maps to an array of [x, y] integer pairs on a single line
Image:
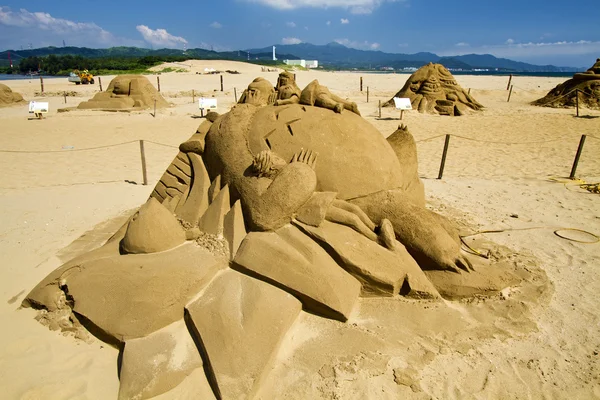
{"points": [[216, 25], [42, 29], [364, 45], [159, 37], [290, 40], [328, 23], [344, 21], [509, 41], [462, 44], [291, 24], [402, 44], [355, 6]]}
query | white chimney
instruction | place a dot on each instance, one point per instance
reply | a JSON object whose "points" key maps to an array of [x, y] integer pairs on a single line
{"points": [[274, 58]]}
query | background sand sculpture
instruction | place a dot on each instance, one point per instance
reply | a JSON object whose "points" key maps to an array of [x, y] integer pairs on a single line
{"points": [[433, 89], [565, 94], [155, 289], [532, 339], [126, 92], [9, 98]]}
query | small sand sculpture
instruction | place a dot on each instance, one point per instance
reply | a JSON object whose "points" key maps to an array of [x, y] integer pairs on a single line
{"points": [[9, 98], [266, 212], [126, 92], [432, 89], [565, 94]]}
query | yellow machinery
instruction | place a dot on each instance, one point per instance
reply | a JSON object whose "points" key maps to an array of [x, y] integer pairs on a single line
{"points": [[83, 77]]}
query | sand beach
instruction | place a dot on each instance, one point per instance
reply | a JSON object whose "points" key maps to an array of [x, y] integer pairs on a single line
{"points": [[71, 179]]}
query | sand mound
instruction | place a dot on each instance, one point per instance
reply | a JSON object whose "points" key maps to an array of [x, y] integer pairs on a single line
{"points": [[565, 94], [433, 89], [9, 98], [126, 92]]}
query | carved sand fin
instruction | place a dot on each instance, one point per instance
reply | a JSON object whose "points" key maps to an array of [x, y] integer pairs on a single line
{"points": [[234, 228], [196, 203], [172, 202], [213, 219], [214, 189]]}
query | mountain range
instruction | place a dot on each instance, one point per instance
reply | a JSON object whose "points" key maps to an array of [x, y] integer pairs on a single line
{"points": [[331, 55]]}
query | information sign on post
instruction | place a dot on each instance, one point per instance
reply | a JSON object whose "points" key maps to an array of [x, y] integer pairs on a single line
{"points": [[402, 103], [38, 108], [207, 104]]}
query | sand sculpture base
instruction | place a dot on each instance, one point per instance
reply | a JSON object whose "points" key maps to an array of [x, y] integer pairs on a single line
{"points": [[432, 89], [126, 92], [210, 283], [566, 94], [8, 98]]}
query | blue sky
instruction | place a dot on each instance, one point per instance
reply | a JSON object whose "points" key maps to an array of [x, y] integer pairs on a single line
{"points": [[535, 31]]}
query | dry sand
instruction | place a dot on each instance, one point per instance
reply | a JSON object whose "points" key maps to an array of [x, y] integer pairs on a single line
{"points": [[540, 341]]}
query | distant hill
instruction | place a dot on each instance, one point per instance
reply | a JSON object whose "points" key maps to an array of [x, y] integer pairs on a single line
{"points": [[331, 55]]}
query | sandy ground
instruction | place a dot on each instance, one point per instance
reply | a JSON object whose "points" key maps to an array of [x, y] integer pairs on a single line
{"points": [[539, 341]]}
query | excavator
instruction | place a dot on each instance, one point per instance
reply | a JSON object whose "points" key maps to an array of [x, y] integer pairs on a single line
{"points": [[83, 77]]}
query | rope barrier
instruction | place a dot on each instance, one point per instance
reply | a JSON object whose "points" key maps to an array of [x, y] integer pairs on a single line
{"points": [[85, 149], [496, 142], [429, 138]]}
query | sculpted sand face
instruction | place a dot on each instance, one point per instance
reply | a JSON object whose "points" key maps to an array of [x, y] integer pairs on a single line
{"points": [[433, 89], [126, 92]]}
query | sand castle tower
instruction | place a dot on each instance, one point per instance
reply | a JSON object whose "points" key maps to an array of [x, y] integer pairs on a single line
{"points": [[126, 92], [9, 98], [433, 89], [565, 94]]}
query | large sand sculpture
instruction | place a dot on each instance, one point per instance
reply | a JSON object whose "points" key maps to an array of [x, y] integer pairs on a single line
{"points": [[432, 89], [9, 98], [565, 94], [126, 92], [266, 212]]}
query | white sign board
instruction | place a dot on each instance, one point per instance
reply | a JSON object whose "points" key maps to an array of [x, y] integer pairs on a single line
{"points": [[207, 104], [38, 107], [402, 103]]}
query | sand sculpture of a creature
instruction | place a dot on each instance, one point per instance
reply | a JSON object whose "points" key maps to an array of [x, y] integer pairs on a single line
{"points": [[432, 89], [9, 98], [565, 94], [126, 92], [266, 212]]}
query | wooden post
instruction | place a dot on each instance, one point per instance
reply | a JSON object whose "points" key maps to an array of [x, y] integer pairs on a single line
{"points": [[509, 93], [193, 96], [576, 161], [65, 94], [158, 82], [367, 94], [294, 77], [361, 83], [42, 83], [401, 114], [509, 80], [469, 91], [143, 155], [577, 100], [100, 82], [379, 108], [446, 143], [154, 108], [235, 94], [221, 83]]}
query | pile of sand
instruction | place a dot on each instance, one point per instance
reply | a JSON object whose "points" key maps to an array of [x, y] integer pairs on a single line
{"points": [[565, 95], [433, 89], [9, 98], [126, 92]]}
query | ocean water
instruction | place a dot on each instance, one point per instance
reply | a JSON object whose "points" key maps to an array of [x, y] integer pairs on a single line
{"points": [[13, 77]]}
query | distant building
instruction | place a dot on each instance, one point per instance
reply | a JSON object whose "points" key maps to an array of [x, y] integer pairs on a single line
{"points": [[302, 63], [274, 58]]}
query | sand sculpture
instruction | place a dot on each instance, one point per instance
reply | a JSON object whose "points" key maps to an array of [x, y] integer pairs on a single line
{"points": [[126, 92], [565, 94], [266, 212], [432, 89], [9, 98]]}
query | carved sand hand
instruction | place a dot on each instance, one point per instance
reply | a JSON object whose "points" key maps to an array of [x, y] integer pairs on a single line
{"points": [[307, 157], [262, 163]]}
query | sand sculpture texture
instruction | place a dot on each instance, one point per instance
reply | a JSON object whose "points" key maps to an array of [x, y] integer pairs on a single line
{"points": [[126, 92], [432, 89], [565, 94], [9, 98], [266, 212]]}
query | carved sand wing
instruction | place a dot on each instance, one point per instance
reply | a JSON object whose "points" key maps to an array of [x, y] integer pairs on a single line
{"points": [[267, 212]]}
